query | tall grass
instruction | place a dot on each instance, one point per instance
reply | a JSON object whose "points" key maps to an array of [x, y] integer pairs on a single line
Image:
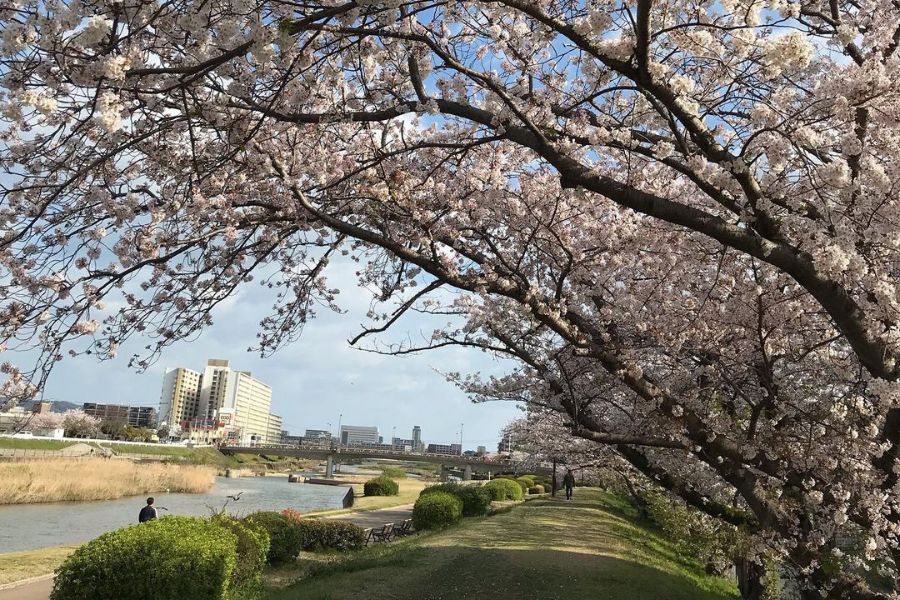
{"points": [[96, 479]]}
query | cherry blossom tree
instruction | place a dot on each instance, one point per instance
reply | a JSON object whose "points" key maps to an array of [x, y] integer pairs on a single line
{"points": [[678, 216]]}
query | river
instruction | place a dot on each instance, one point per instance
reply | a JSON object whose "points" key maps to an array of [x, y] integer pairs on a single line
{"points": [[30, 526]]}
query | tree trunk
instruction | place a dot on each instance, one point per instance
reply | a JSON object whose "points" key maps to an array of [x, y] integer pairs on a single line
{"points": [[749, 578]]}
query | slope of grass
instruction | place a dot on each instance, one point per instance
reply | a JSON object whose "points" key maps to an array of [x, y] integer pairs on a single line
{"points": [[16, 566], [32, 444], [587, 549]]}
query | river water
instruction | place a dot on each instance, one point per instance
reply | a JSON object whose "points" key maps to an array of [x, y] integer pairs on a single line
{"points": [[30, 526]]}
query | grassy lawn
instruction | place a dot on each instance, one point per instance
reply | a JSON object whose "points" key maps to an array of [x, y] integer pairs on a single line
{"points": [[30, 444], [409, 491], [15, 566], [588, 549]]}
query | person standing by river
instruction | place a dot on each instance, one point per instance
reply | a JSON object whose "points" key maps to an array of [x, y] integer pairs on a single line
{"points": [[148, 513]]}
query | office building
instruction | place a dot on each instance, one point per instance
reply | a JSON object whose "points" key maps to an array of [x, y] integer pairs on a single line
{"points": [[180, 397], [450, 449], [401, 442], [358, 434], [273, 433], [417, 444], [136, 416], [481, 450], [316, 434]]}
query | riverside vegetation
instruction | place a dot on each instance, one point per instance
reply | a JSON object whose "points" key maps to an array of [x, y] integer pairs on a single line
{"points": [[96, 479]]}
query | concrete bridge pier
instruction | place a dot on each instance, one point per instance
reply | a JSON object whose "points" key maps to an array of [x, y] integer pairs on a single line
{"points": [[445, 472], [329, 467], [467, 474]]}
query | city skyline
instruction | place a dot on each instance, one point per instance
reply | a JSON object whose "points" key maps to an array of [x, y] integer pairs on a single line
{"points": [[314, 380]]}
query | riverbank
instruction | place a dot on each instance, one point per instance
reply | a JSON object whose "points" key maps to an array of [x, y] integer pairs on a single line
{"points": [[409, 491], [544, 548], [67, 480], [19, 566]]}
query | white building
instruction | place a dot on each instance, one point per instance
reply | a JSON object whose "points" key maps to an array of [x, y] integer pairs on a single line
{"points": [[358, 434], [220, 404], [180, 397]]}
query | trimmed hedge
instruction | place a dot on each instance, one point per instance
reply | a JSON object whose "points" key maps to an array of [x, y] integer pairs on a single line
{"points": [[327, 534], [284, 536], [504, 489], [536, 489], [436, 510], [173, 557], [476, 500], [381, 486], [252, 550]]}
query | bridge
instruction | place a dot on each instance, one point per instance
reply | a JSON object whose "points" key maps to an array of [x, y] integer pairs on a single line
{"points": [[333, 454]]}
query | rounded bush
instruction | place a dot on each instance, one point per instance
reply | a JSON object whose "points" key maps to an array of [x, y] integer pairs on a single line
{"points": [[504, 489], [436, 510], [173, 557], [525, 483], [536, 489], [252, 550], [476, 500], [327, 534], [381, 486], [284, 536]]}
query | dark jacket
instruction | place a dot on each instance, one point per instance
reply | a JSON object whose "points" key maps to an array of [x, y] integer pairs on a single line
{"points": [[148, 513], [569, 480]]}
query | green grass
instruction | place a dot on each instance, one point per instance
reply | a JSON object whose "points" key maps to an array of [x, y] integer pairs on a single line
{"points": [[16, 566], [591, 548], [30, 444]]}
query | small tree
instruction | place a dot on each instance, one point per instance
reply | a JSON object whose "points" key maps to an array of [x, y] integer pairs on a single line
{"points": [[77, 423]]}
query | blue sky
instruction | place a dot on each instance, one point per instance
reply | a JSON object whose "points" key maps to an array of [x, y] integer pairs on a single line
{"points": [[318, 378]]}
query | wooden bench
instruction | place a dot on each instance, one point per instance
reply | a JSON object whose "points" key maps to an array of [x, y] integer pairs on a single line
{"points": [[403, 529], [383, 534]]}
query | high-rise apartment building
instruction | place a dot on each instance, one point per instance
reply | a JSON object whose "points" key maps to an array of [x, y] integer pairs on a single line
{"points": [[358, 434], [233, 403], [180, 398]]}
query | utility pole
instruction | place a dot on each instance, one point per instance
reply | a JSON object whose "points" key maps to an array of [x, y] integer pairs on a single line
{"points": [[340, 440], [460, 437]]}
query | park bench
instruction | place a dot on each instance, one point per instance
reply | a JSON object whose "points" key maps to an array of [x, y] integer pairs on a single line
{"points": [[403, 528], [368, 533], [384, 533]]}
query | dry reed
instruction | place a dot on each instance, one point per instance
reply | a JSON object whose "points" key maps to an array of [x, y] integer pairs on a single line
{"points": [[96, 479]]}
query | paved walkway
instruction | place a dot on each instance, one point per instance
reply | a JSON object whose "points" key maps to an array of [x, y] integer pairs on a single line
{"points": [[376, 518], [40, 590]]}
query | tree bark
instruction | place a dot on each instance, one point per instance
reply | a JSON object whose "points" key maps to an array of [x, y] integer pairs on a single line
{"points": [[749, 578]]}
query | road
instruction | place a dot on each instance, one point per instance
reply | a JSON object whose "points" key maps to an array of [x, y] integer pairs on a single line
{"points": [[40, 590]]}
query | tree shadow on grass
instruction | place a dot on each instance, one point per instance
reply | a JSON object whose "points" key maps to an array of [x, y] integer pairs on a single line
{"points": [[455, 573]]}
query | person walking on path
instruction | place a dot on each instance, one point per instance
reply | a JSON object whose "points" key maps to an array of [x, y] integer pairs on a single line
{"points": [[569, 483], [148, 513]]}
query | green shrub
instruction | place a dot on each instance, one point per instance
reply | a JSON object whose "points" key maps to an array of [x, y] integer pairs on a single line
{"points": [[284, 536], [174, 557], [252, 550], [327, 534], [381, 486], [524, 483], [536, 489], [393, 473], [504, 489], [436, 510], [476, 500]]}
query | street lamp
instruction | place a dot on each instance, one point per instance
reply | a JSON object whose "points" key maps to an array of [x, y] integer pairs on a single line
{"points": [[340, 417]]}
